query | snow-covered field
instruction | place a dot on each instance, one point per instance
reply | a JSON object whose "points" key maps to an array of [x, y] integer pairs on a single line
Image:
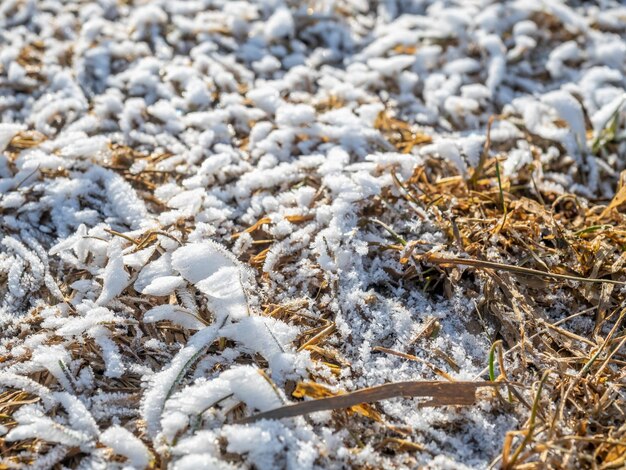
{"points": [[203, 207]]}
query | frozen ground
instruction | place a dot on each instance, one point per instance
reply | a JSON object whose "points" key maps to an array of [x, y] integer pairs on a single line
{"points": [[189, 196]]}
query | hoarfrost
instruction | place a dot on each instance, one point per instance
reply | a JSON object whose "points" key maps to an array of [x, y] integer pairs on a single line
{"points": [[188, 193]]}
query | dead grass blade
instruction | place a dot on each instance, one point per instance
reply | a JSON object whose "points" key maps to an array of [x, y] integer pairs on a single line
{"points": [[483, 156], [315, 390], [440, 393], [400, 134], [476, 263], [294, 219], [618, 199], [502, 201], [319, 336], [506, 464], [400, 445]]}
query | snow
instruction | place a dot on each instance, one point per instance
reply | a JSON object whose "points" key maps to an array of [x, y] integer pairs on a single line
{"points": [[225, 293], [79, 416], [570, 110], [176, 315], [153, 271], [198, 261], [7, 132], [163, 285], [139, 300], [34, 425], [280, 25], [162, 383], [125, 443], [115, 278]]}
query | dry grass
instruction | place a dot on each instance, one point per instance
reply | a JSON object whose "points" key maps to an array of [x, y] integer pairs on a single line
{"points": [[525, 250], [516, 250]]}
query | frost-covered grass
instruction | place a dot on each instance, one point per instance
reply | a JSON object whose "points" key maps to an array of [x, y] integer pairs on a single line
{"points": [[211, 209]]}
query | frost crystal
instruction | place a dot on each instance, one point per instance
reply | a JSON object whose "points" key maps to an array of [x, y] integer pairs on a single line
{"points": [[204, 204]]}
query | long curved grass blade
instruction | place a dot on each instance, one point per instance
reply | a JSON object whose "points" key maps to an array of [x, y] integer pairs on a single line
{"points": [[476, 263], [440, 393]]}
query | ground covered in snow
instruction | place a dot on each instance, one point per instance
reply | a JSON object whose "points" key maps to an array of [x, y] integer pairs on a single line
{"points": [[213, 208]]}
